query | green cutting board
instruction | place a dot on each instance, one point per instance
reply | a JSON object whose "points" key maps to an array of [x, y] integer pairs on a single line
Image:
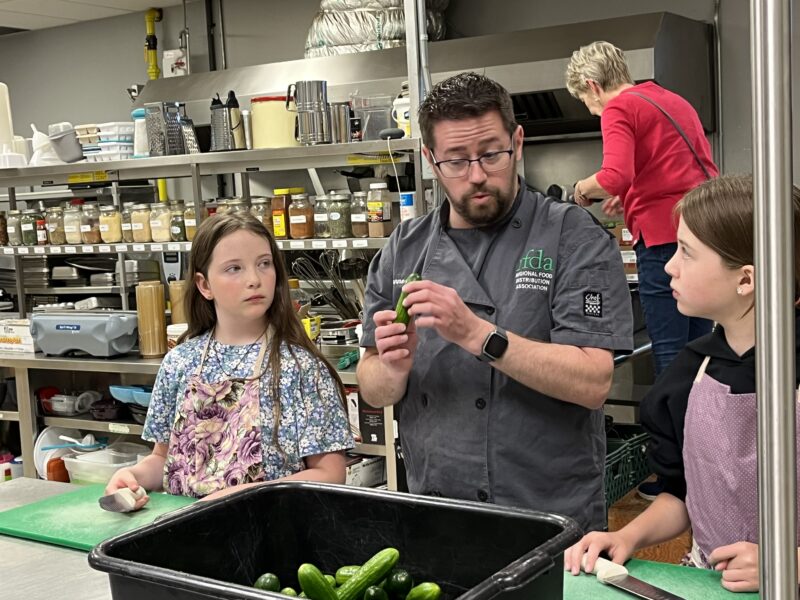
{"points": [[76, 520], [686, 582]]}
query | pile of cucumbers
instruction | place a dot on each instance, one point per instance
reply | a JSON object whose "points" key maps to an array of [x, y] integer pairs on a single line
{"points": [[376, 579]]}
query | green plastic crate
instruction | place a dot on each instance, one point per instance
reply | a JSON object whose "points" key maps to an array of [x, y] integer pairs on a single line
{"points": [[617, 474]]}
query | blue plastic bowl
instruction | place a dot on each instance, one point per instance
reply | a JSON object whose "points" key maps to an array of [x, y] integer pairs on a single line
{"points": [[127, 393], [142, 398], [123, 393]]}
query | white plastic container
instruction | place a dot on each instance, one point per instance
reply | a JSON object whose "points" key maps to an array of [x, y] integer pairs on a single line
{"points": [[116, 131]]}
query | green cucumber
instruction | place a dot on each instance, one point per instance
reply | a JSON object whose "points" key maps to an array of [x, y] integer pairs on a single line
{"points": [[314, 583], [398, 583], [370, 573], [375, 592], [402, 313], [268, 582], [288, 591], [345, 573], [425, 591], [330, 579]]}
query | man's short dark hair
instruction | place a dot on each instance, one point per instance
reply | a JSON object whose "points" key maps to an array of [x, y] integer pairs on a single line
{"points": [[464, 96]]}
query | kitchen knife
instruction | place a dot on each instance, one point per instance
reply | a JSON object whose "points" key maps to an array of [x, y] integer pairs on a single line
{"points": [[610, 573], [123, 500]]}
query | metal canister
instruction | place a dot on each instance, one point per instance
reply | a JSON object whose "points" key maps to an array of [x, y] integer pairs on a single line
{"points": [[248, 129], [340, 122]]}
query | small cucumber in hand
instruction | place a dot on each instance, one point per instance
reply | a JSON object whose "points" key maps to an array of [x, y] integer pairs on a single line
{"points": [[402, 314]]}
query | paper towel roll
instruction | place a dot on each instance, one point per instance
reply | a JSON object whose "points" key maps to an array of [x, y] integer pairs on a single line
{"points": [[6, 124]]}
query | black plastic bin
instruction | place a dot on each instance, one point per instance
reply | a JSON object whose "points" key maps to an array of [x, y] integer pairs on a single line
{"points": [[218, 549]]}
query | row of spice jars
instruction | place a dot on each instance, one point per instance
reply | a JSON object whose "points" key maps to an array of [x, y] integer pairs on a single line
{"points": [[336, 215]]}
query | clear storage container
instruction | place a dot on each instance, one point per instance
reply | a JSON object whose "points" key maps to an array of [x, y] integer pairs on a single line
{"points": [[110, 224], [301, 218], [261, 209], [339, 218], [140, 223], [72, 225], [28, 226], [177, 225], [90, 224], [55, 225], [159, 222], [321, 228], [127, 231], [359, 215], [14, 228]]}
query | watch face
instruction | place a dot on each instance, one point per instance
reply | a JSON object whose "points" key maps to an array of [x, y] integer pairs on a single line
{"points": [[496, 345]]}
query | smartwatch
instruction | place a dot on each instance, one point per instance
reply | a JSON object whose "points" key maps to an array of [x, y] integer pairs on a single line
{"points": [[494, 346]]}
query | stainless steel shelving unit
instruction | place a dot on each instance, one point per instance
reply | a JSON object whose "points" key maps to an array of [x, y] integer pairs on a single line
{"points": [[245, 162]]}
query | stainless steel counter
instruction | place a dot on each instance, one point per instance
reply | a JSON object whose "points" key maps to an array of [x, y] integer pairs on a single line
{"points": [[38, 571]]}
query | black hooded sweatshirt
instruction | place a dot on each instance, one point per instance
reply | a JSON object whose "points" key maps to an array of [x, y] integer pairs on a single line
{"points": [[663, 410]]}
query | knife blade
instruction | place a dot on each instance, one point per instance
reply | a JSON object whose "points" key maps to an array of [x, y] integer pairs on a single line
{"points": [[610, 573]]}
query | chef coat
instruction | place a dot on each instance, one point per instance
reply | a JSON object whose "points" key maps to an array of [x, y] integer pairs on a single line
{"points": [[551, 273]]}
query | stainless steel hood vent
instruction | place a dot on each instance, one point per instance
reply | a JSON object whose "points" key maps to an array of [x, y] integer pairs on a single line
{"points": [[674, 51]]}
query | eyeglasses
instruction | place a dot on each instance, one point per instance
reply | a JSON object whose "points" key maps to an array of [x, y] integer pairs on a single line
{"points": [[489, 162]]}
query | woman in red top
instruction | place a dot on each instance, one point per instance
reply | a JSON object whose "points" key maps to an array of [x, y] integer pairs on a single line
{"points": [[647, 167]]}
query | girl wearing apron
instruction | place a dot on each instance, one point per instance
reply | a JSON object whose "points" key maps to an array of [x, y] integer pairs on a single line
{"points": [[702, 412], [245, 397]]}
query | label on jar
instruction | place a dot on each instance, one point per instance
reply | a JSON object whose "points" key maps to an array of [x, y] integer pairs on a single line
{"points": [[137, 226], [103, 227], [70, 229], [86, 228], [51, 227], [190, 222], [175, 230], [335, 216], [27, 227], [10, 230], [297, 219], [377, 213], [360, 218], [320, 217], [279, 225], [126, 227], [41, 235]]}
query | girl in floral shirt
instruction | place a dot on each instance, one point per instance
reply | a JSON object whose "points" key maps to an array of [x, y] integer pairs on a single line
{"points": [[246, 397]]}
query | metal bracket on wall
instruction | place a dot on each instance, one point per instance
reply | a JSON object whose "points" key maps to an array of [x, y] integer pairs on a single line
{"points": [[316, 182]]}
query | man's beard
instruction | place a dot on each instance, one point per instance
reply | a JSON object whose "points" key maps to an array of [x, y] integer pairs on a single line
{"points": [[490, 211]]}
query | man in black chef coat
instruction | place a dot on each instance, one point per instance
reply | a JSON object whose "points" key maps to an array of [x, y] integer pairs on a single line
{"points": [[501, 375]]}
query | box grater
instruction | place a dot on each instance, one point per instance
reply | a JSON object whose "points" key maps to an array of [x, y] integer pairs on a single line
{"points": [[164, 135]]}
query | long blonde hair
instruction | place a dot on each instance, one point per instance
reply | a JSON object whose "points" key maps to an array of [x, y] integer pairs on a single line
{"points": [[601, 62], [281, 316]]}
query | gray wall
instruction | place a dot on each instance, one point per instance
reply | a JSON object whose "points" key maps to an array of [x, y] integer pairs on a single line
{"points": [[79, 72]]}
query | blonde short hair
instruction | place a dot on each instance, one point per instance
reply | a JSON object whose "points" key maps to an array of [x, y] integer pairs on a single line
{"points": [[601, 62]]}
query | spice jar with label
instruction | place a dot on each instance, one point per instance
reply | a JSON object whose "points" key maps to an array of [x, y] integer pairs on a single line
{"points": [[339, 218], [110, 224], [127, 231], [261, 209], [177, 226], [321, 227], [159, 222], [379, 205], [190, 220], [72, 225], [55, 225], [3, 229], [28, 226], [90, 224], [359, 215], [301, 218], [280, 207], [14, 228], [41, 232], [140, 223]]}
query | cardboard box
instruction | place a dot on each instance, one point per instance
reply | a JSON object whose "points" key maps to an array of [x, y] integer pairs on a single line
{"points": [[15, 336], [620, 232], [365, 471], [629, 265]]}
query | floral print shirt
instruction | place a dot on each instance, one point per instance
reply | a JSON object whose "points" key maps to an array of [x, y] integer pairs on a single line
{"points": [[312, 419]]}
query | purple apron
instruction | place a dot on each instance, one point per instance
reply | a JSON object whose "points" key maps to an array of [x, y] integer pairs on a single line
{"points": [[215, 441], [720, 460]]}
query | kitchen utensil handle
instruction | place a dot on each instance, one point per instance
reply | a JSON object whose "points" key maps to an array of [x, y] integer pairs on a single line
{"points": [[290, 96], [605, 569]]}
